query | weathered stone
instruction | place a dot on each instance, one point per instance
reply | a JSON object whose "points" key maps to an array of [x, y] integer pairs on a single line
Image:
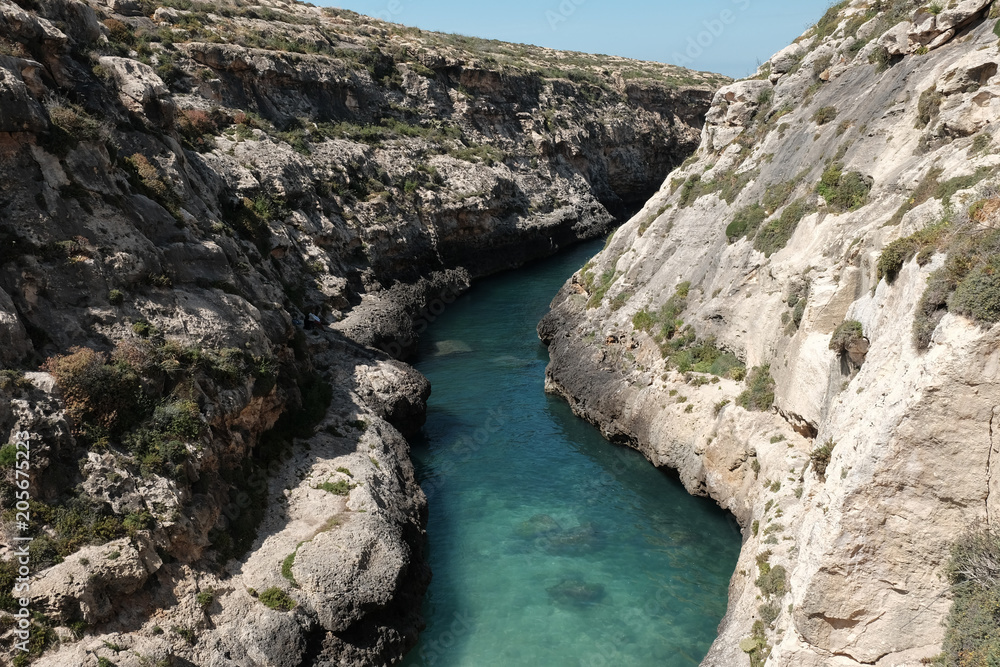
{"points": [[19, 112], [88, 583], [865, 546], [140, 89]]}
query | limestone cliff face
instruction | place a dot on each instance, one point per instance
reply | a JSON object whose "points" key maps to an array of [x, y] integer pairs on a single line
{"points": [[179, 186], [876, 124]]}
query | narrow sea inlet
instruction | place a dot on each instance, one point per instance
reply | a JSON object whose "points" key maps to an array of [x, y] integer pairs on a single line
{"points": [[549, 545]]}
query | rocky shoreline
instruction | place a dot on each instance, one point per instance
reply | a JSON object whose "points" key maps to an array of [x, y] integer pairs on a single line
{"points": [[182, 185]]}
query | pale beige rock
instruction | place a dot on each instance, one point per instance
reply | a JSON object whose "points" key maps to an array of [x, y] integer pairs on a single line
{"points": [[865, 549], [90, 581], [141, 90]]}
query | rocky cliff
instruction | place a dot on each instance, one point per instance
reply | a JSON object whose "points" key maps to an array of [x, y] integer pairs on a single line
{"points": [[802, 323], [181, 185]]}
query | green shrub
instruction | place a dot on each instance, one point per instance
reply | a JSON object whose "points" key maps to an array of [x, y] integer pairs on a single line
{"points": [[250, 218], [728, 185], [824, 115], [980, 145], [745, 222], [116, 297], [946, 190], [972, 634], [775, 235], [151, 184], [928, 106], [286, 567], [798, 299], [482, 153], [8, 455], [600, 288], [186, 633], [11, 379], [643, 321], [820, 458], [339, 488], [681, 348], [900, 251], [843, 191], [924, 191], [966, 284], [101, 398], [620, 300], [159, 442], [777, 196], [846, 335], [769, 612], [70, 125], [759, 395], [72, 524], [205, 598], [772, 580], [977, 296], [690, 190], [881, 58], [931, 308], [136, 521], [275, 598]]}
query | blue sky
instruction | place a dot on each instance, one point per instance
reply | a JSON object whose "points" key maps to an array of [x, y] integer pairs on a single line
{"points": [[727, 36]]}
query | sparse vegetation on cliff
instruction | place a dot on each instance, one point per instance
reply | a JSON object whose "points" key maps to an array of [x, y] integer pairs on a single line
{"points": [[972, 637], [820, 458], [746, 222], [759, 394], [275, 598], [776, 234], [846, 335], [679, 345], [843, 191]]}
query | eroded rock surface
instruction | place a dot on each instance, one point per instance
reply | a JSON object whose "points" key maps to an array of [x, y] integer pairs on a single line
{"points": [[181, 189], [771, 267]]}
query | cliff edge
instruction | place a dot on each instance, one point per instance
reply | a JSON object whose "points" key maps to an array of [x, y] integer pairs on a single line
{"points": [[209, 475], [802, 323]]}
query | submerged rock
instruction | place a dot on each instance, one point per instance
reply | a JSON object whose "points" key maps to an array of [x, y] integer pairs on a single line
{"points": [[583, 539], [447, 347], [537, 526], [576, 593]]}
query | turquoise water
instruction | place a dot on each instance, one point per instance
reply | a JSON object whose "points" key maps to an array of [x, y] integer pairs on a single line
{"points": [[550, 546]]}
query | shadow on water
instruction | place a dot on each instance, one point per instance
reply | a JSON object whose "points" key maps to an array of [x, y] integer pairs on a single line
{"points": [[549, 545]]}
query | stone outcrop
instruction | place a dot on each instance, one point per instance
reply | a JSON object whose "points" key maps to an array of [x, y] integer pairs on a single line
{"points": [[864, 539], [180, 189]]}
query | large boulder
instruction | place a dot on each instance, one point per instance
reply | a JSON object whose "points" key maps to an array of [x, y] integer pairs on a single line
{"points": [[88, 584], [140, 89], [19, 112]]}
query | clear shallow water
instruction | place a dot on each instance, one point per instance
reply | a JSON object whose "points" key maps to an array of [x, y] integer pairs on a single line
{"points": [[550, 546]]}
